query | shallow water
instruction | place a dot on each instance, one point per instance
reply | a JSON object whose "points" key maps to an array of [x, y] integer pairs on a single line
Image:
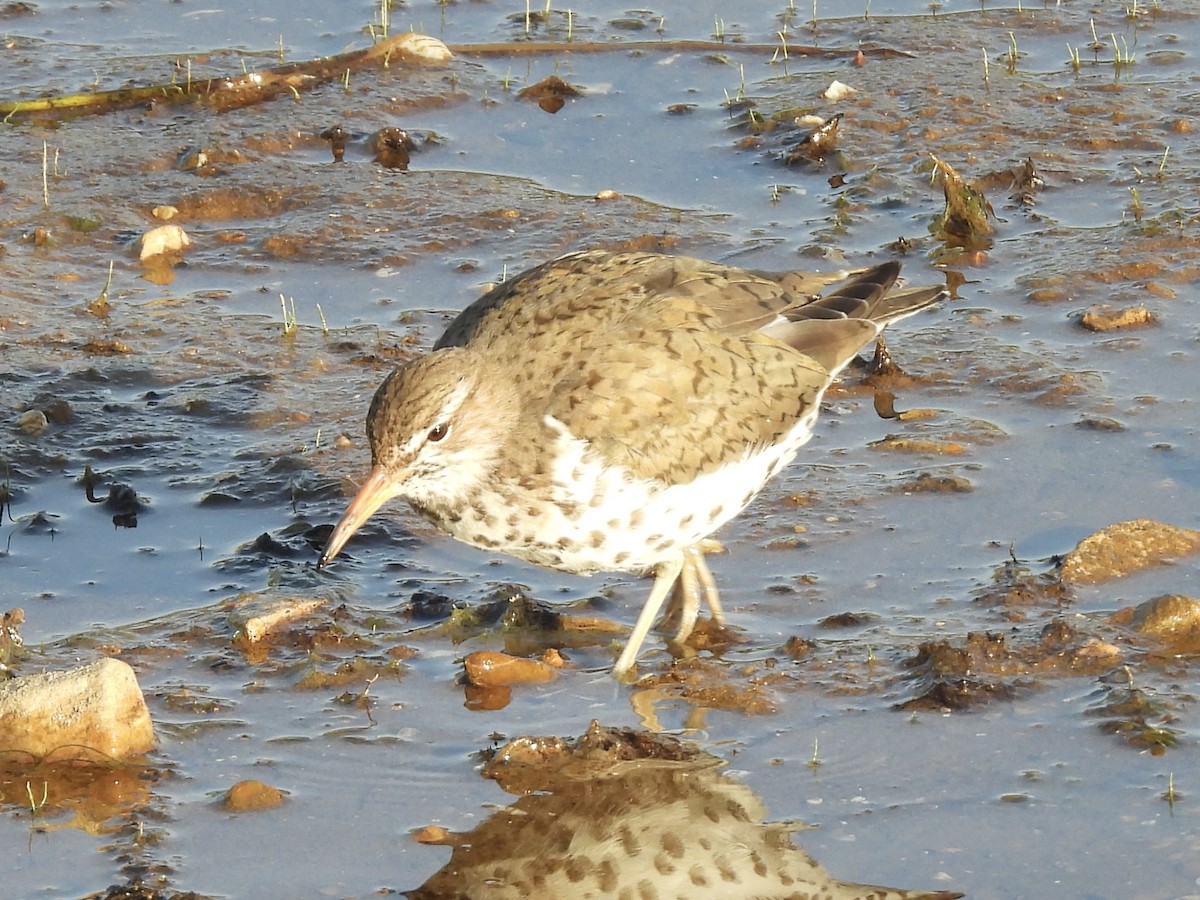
{"points": [[191, 394]]}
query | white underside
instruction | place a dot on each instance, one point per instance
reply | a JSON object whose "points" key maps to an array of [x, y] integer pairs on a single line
{"points": [[682, 513]]}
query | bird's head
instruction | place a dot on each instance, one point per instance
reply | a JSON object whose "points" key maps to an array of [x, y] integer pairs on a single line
{"points": [[436, 426]]}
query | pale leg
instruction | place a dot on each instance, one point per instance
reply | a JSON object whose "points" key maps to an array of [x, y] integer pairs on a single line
{"points": [[711, 595], [664, 579], [688, 593]]}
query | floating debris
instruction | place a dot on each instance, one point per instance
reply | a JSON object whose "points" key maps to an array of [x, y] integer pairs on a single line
{"points": [[122, 500], [817, 144], [1027, 181], [1139, 716], [551, 93], [391, 147], [337, 137], [233, 92], [966, 220]]}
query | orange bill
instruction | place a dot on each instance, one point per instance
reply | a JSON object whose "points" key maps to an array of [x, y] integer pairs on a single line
{"points": [[376, 491]]}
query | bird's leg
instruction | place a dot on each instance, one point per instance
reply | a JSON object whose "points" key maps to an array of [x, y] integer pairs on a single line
{"points": [[711, 595], [664, 579], [687, 593], [695, 576]]}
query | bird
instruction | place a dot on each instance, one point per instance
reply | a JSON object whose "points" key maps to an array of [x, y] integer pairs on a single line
{"points": [[611, 410]]}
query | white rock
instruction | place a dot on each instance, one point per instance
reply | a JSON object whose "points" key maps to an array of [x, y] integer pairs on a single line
{"points": [[256, 616], [838, 91], [164, 239], [33, 422], [423, 47], [95, 713], [809, 120]]}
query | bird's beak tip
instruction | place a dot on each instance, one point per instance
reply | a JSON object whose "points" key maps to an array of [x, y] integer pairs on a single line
{"points": [[375, 491]]}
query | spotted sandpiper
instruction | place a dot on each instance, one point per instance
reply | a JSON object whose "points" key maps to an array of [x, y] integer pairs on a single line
{"points": [[610, 411]]}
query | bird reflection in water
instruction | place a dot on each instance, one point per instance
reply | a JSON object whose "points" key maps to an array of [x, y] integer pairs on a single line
{"points": [[626, 813]]}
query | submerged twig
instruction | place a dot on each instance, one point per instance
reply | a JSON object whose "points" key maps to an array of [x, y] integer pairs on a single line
{"points": [[716, 46], [225, 93]]}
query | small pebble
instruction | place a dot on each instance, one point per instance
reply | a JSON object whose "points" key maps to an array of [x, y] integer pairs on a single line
{"points": [[488, 668], [163, 239], [252, 796], [432, 834], [838, 91], [33, 422]]}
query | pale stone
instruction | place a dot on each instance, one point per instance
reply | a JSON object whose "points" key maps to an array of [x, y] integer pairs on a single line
{"points": [[1107, 318], [838, 91], [164, 239], [33, 422], [95, 713], [490, 668], [423, 48], [252, 796], [255, 616], [1174, 618], [1127, 547]]}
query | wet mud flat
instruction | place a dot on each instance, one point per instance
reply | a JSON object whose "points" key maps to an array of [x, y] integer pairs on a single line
{"points": [[915, 666]]}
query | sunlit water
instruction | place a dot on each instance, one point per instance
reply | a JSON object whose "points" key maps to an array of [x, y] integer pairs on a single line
{"points": [[227, 428]]}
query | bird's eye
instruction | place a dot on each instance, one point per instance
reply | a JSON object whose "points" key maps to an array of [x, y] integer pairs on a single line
{"points": [[437, 432]]}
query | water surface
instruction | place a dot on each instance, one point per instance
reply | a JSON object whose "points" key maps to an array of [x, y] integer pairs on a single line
{"points": [[192, 394]]}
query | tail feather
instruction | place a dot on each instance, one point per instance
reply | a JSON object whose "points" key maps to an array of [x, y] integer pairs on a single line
{"points": [[833, 328]]}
